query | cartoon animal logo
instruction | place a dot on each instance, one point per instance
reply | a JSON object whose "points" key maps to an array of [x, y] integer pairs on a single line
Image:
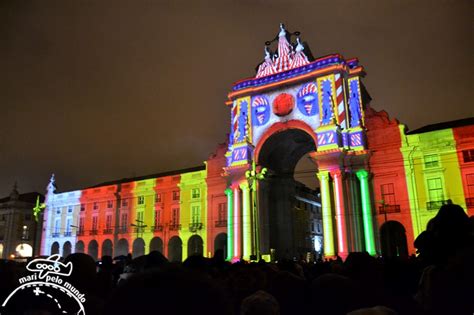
{"points": [[307, 99], [261, 110]]}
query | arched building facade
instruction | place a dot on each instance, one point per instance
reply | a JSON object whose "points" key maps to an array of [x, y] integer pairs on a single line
{"points": [[379, 184]]}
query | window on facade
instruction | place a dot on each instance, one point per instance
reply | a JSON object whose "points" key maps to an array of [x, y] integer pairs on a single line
{"points": [[157, 217], [435, 189], [124, 202], [196, 193], [94, 223], [25, 233], [318, 228], [58, 211], [175, 216], [176, 195], [141, 200], [83, 207], [468, 155], [158, 197], [96, 206], [431, 161], [195, 214], [470, 190], [57, 227], [222, 212], [110, 204], [470, 184], [108, 222], [69, 209], [124, 221], [81, 225], [68, 226], [388, 194]]}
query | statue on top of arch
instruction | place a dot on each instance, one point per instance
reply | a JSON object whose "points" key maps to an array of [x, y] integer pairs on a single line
{"points": [[288, 56]]}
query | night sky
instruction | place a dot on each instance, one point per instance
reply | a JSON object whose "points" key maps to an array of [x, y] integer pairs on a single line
{"points": [[101, 90]]}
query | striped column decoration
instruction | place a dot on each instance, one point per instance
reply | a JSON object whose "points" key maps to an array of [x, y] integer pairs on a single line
{"points": [[341, 111]]}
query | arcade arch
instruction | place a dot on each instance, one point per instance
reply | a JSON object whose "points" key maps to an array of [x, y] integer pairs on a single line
{"points": [[80, 247], [55, 248], [24, 250], [138, 247], [175, 249], [393, 240], [156, 243], [121, 248], [220, 243], [195, 246], [67, 249], [93, 249], [107, 248], [284, 231]]}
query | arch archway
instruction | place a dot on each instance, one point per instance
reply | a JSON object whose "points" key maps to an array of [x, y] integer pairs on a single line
{"points": [[79, 247], [24, 250], [284, 226], [220, 243], [121, 248], [195, 246], [393, 240], [93, 249], [107, 248], [67, 247], [55, 248], [138, 247], [175, 249], [156, 243]]}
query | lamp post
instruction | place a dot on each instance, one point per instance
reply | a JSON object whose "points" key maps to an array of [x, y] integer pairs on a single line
{"points": [[140, 226], [253, 176]]}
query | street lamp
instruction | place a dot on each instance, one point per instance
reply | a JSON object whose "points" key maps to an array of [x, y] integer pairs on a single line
{"points": [[253, 176], [140, 226]]}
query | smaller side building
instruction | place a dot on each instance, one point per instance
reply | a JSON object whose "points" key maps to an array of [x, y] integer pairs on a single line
{"points": [[20, 234]]}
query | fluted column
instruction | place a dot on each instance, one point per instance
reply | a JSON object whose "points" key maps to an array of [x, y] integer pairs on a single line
{"points": [[363, 176], [341, 225], [237, 223], [246, 222], [230, 224], [327, 214]]}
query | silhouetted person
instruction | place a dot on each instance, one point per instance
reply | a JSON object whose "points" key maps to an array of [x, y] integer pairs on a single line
{"points": [[447, 246]]}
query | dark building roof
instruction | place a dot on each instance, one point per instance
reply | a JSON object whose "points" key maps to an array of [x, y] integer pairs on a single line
{"points": [[27, 197], [168, 173], [444, 125]]}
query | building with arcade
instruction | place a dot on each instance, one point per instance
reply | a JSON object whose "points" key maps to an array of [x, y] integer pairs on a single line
{"points": [[379, 184]]}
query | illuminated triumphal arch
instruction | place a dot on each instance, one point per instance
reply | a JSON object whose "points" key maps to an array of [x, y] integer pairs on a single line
{"points": [[295, 106]]}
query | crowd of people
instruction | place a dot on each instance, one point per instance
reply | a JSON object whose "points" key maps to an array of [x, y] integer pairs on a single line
{"points": [[439, 280]]}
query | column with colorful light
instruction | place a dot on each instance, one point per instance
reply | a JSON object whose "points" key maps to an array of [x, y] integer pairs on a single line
{"points": [[327, 214], [363, 176], [246, 222], [237, 223], [340, 214], [253, 176], [230, 224]]}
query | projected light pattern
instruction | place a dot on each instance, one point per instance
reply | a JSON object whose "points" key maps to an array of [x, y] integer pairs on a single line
{"points": [[370, 171]]}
